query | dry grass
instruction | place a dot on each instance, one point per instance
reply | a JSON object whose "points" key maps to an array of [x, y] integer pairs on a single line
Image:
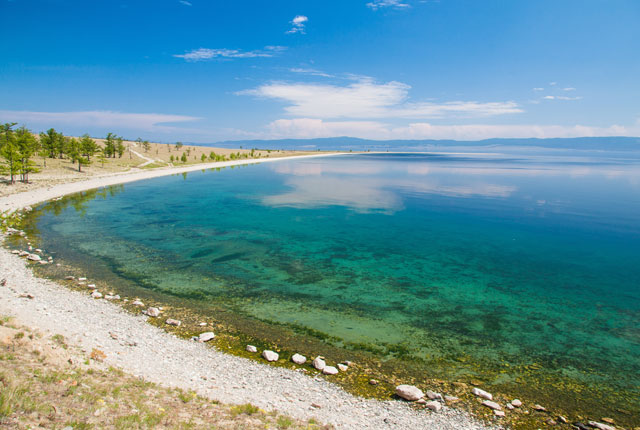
{"points": [[39, 388]]}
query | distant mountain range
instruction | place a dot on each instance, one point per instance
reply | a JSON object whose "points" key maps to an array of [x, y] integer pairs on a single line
{"points": [[616, 144]]}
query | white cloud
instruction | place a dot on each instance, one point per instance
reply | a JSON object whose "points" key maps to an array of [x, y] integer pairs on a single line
{"points": [[553, 84], [207, 54], [561, 98], [119, 120], [312, 72], [379, 4], [297, 24], [185, 2], [569, 89], [538, 89], [367, 99], [313, 128]]}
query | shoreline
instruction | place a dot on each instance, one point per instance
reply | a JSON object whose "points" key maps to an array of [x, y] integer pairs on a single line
{"points": [[143, 350]]}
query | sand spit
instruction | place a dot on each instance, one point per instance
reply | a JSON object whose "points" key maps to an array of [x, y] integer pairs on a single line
{"points": [[146, 351]]}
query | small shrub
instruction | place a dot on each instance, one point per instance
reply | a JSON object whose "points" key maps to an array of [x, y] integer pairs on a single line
{"points": [[97, 355], [247, 409]]}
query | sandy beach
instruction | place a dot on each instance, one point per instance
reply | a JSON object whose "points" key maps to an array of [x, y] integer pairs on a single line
{"points": [[146, 351]]}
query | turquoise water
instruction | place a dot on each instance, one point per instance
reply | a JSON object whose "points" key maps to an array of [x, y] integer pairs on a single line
{"points": [[457, 259]]}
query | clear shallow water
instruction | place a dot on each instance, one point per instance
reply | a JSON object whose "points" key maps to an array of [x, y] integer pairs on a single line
{"points": [[464, 261]]}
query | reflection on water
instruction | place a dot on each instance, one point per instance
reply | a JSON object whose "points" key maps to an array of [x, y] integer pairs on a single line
{"points": [[475, 261]]}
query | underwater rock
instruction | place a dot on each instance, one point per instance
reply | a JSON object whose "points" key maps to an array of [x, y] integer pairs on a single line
{"points": [[270, 355], [251, 348], [92, 286], [492, 405], [15, 251], [299, 359], [319, 363], [517, 403], [562, 419], [451, 399], [82, 279], [23, 253], [432, 395], [601, 426], [510, 406], [112, 297], [137, 303], [498, 413], [33, 257], [373, 382], [330, 370], [342, 367], [434, 406], [153, 312], [206, 336], [173, 322], [539, 408], [481, 393], [409, 392], [96, 295]]}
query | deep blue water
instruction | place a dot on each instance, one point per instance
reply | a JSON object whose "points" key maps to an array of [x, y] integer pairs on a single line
{"points": [[462, 258]]}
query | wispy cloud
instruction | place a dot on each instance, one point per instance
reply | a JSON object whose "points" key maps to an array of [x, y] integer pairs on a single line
{"points": [[117, 120], [561, 98], [185, 2], [298, 24], [569, 89], [368, 99], [380, 4], [538, 89], [312, 72], [208, 54]]}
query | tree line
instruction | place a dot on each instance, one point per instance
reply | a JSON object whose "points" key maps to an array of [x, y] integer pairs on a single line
{"points": [[18, 147]]}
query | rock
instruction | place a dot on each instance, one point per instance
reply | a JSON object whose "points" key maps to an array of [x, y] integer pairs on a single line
{"points": [[112, 297], [421, 401], [330, 370], [580, 426], [96, 295], [492, 405], [434, 406], [432, 395], [451, 399], [39, 251], [15, 251], [562, 419], [23, 253], [539, 408], [203, 324], [342, 367], [251, 348], [319, 363], [299, 359], [82, 279], [481, 393], [153, 312], [270, 355], [30, 248], [510, 406], [409, 392], [69, 278], [601, 426], [517, 403], [348, 363], [3, 282], [173, 322], [206, 336], [551, 422], [373, 382], [608, 420], [137, 303], [43, 262], [498, 413], [27, 296], [33, 257], [92, 286]]}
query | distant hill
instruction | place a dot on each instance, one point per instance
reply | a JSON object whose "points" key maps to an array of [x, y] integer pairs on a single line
{"points": [[350, 143]]}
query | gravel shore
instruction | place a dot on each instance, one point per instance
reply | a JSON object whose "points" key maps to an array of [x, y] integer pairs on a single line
{"points": [[145, 351]]}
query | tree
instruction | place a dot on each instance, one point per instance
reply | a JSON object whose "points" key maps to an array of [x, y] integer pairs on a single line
{"points": [[183, 158], [76, 154], [27, 146], [119, 147], [203, 157], [171, 158], [88, 146], [102, 156], [9, 152], [110, 145], [178, 146], [52, 142], [146, 145]]}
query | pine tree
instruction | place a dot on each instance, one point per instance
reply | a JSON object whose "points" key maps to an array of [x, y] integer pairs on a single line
{"points": [[27, 146]]}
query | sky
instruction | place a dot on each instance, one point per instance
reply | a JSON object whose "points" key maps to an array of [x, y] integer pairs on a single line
{"points": [[213, 70]]}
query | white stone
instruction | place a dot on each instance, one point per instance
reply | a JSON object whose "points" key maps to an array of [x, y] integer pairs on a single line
{"points": [[481, 393], [251, 348], [96, 295], [23, 253], [206, 336], [434, 406], [82, 279], [409, 392], [203, 324], [342, 367], [492, 405], [319, 363], [112, 297], [270, 355], [510, 406], [137, 303], [299, 359], [451, 398], [601, 426], [92, 286], [432, 395], [33, 257], [517, 403], [330, 370], [153, 312], [173, 322], [498, 413]]}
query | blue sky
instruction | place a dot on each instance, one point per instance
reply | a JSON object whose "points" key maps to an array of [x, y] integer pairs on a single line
{"points": [[204, 71]]}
